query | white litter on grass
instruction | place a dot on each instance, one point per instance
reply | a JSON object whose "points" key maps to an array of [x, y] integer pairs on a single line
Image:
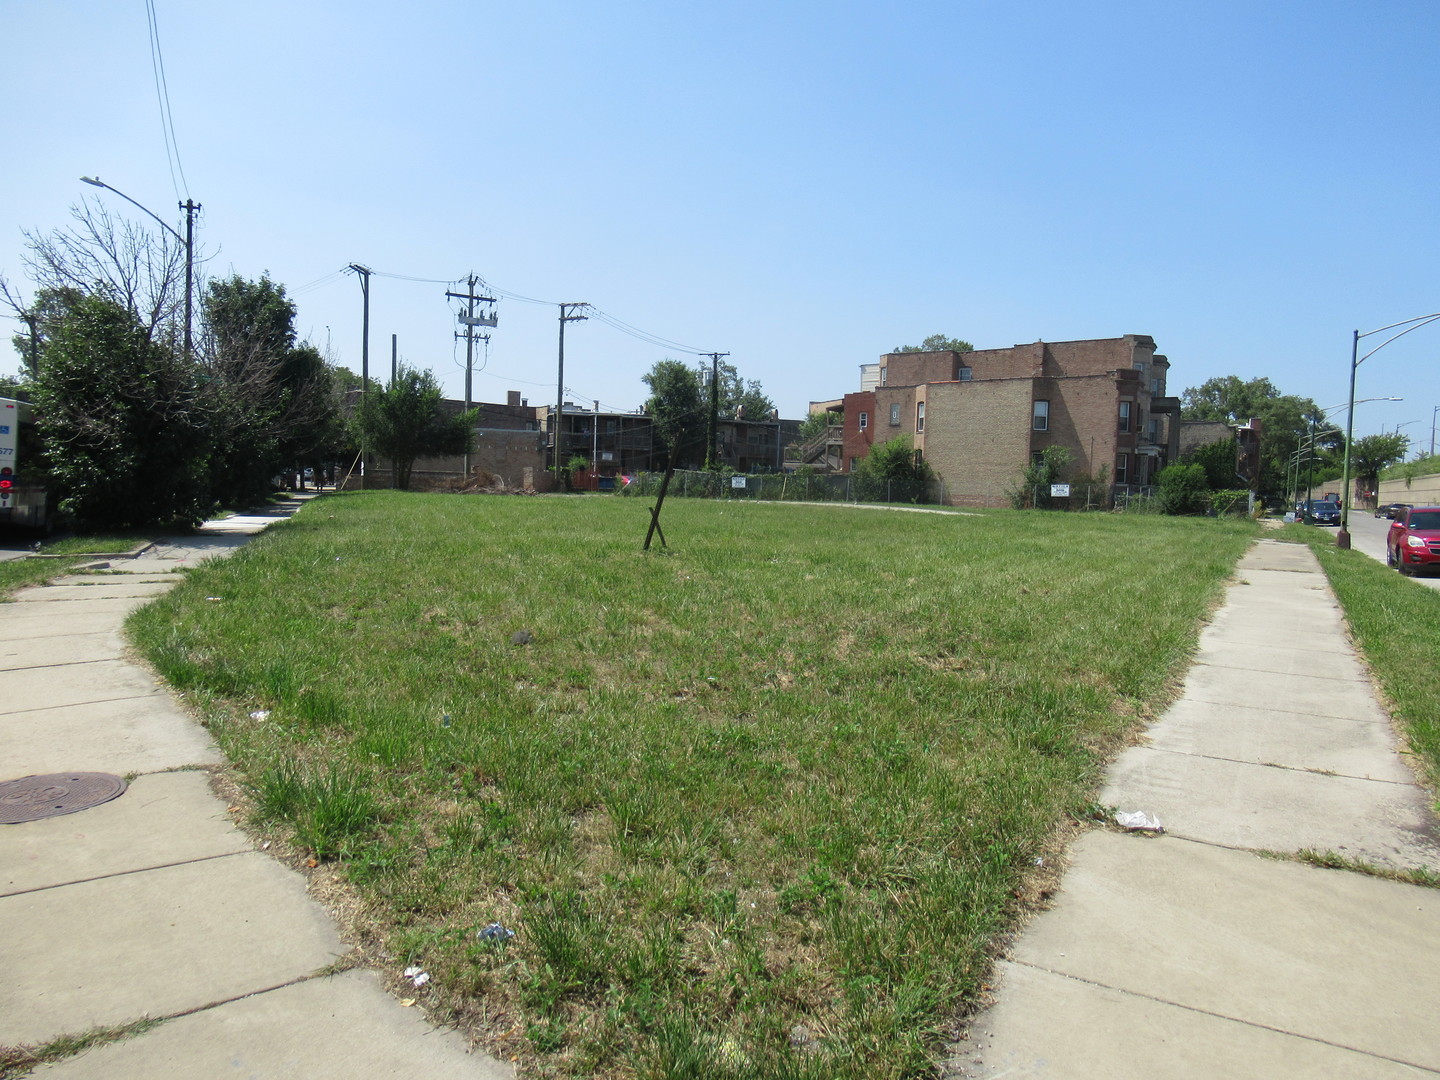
{"points": [[418, 976], [260, 714], [1138, 821]]}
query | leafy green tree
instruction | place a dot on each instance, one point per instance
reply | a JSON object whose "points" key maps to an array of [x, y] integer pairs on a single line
{"points": [[678, 412], [937, 343], [818, 423], [271, 400], [1218, 461], [405, 421], [1034, 487], [891, 472], [1372, 453], [739, 398], [1286, 419], [125, 436]]}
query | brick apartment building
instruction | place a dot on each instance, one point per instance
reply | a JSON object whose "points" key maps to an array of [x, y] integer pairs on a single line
{"points": [[979, 418]]}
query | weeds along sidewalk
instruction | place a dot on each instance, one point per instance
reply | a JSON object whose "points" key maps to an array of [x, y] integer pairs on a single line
{"points": [[144, 936], [1230, 945]]}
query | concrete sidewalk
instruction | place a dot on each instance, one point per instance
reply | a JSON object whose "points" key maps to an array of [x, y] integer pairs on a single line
{"points": [[154, 905], [1188, 955]]}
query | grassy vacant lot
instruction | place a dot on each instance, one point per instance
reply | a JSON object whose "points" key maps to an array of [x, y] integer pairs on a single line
{"points": [[1396, 623], [757, 807]]}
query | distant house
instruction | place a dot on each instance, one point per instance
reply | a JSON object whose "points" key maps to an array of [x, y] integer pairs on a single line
{"points": [[979, 418]]}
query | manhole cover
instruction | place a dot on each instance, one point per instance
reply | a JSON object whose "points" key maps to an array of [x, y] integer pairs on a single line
{"points": [[34, 797]]}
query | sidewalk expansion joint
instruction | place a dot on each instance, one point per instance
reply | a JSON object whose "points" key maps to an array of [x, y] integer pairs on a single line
{"points": [[1278, 765], [1224, 1016], [1353, 680], [142, 695], [68, 664], [1381, 718], [127, 873]]}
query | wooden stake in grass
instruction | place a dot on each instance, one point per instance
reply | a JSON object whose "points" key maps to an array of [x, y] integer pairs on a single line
{"points": [[655, 510]]}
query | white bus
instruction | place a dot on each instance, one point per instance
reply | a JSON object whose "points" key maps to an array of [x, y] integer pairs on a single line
{"points": [[22, 497]]}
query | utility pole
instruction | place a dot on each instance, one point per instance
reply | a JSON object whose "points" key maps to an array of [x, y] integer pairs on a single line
{"points": [[394, 358], [713, 423], [363, 273], [470, 321], [190, 206], [567, 314]]}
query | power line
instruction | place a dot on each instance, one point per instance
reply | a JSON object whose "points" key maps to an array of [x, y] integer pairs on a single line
{"points": [[162, 94]]}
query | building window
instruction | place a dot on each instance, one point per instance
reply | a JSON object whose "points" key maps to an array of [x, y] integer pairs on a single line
{"points": [[1124, 416], [919, 417], [864, 420], [884, 375], [895, 414], [965, 374], [1155, 390], [1040, 416], [1122, 468], [1154, 431]]}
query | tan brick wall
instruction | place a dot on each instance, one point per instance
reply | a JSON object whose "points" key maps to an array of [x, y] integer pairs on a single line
{"points": [[912, 369], [977, 438]]}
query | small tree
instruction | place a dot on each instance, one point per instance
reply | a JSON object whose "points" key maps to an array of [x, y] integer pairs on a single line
{"points": [[677, 411], [1182, 489], [404, 421], [127, 443], [890, 471], [1370, 454], [1218, 461], [1034, 487]]}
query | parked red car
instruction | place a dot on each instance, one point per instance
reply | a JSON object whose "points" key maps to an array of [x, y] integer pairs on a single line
{"points": [[1413, 542]]}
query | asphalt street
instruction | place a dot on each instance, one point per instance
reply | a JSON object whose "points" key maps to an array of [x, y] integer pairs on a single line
{"points": [[1367, 534]]}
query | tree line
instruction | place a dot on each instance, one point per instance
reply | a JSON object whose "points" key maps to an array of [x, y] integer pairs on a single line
{"points": [[135, 432]]}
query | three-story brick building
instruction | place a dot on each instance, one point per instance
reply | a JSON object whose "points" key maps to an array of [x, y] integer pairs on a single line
{"points": [[979, 418]]}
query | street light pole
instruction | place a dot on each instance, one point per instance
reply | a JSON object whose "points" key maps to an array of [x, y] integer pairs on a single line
{"points": [[190, 206], [1342, 538]]}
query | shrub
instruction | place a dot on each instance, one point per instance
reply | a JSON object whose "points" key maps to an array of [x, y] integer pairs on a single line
{"points": [[1181, 489]]}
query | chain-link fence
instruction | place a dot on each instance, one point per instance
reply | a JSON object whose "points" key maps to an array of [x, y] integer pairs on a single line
{"points": [[787, 487]]}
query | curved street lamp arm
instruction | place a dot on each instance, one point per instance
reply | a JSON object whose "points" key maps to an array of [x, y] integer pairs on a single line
{"points": [[1423, 320], [97, 182]]}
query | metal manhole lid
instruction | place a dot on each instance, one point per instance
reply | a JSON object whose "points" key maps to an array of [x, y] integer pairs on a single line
{"points": [[34, 797]]}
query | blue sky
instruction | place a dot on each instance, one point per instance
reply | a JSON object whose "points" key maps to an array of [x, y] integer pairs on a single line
{"points": [[802, 185]]}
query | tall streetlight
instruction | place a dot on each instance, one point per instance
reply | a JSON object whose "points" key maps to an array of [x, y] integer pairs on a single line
{"points": [[1432, 429], [1342, 538], [1330, 409], [189, 206]]}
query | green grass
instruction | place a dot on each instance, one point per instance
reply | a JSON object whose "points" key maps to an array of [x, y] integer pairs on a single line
{"points": [[17, 1061], [16, 574], [793, 771], [1396, 623]]}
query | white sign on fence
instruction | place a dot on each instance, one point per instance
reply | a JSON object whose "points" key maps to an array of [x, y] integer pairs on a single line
{"points": [[737, 481], [1059, 491]]}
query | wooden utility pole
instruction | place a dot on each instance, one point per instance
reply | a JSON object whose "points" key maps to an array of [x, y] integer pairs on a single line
{"points": [[567, 314], [470, 321], [363, 273], [713, 422]]}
